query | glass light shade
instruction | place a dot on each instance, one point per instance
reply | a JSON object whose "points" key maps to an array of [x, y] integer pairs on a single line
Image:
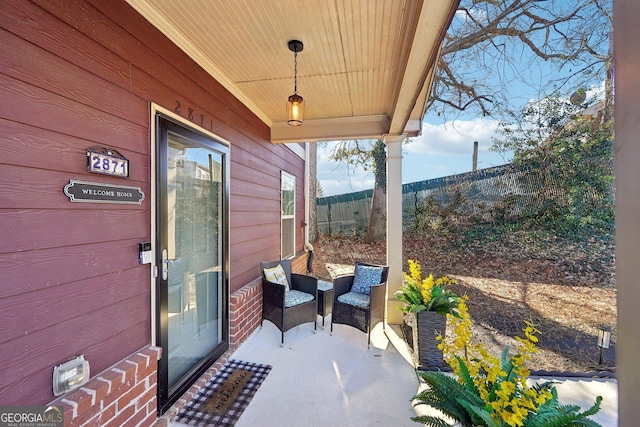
{"points": [[604, 337], [70, 375], [295, 110]]}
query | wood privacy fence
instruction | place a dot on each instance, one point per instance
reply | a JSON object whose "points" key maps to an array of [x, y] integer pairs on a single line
{"points": [[502, 190]]}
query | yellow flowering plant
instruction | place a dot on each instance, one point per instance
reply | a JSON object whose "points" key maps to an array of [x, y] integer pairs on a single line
{"points": [[427, 294], [485, 390]]}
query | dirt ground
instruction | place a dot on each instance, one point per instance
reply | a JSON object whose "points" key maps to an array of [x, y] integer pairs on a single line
{"points": [[567, 290]]}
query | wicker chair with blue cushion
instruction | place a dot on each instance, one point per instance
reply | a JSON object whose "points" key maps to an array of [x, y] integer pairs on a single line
{"points": [[359, 299], [288, 299]]}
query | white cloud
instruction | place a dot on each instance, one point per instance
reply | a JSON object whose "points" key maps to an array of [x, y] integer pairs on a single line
{"points": [[477, 14], [332, 187], [441, 150], [596, 92], [338, 177], [453, 138]]}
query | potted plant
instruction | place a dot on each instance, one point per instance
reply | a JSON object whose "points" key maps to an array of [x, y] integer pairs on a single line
{"points": [[426, 302], [485, 390]]}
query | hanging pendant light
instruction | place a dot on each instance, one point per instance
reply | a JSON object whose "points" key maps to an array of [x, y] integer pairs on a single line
{"points": [[295, 104]]}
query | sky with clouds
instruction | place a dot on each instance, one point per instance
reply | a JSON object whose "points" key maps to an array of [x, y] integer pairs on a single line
{"points": [[443, 149]]}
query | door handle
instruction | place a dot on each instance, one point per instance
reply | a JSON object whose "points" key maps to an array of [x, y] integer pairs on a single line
{"points": [[165, 265]]}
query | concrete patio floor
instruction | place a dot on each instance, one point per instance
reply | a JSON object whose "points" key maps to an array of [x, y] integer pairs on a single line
{"points": [[327, 380]]}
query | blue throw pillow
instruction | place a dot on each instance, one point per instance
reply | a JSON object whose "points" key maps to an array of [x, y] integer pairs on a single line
{"points": [[366, 276]]}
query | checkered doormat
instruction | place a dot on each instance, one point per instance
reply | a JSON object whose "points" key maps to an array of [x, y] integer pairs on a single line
{"points": [[226, 395]]}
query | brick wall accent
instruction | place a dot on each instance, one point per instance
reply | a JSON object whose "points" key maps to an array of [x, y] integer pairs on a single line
{"points": [[125, 394], [245, 312]]}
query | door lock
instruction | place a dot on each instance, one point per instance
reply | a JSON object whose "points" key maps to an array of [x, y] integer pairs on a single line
{"points": [[165, 265]]}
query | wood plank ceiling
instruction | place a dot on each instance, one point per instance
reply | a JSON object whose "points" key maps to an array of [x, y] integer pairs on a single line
{"points": [[365, 71]]}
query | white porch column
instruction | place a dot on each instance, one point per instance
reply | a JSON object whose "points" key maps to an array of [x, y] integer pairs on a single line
{"points": [[394, 225]]}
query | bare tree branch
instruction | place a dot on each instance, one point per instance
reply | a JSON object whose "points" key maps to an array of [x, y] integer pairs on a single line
{"points": [[494, 42]]}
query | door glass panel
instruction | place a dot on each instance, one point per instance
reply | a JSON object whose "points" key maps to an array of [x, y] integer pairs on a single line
{"points": [[194, 252]]}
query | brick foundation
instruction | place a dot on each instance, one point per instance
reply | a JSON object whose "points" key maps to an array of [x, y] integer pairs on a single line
{"points": [[245, 312], [125, 394]]}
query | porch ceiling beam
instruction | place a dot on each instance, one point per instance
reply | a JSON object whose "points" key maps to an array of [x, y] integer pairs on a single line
{"points": [[365, 127], [423, 41]]}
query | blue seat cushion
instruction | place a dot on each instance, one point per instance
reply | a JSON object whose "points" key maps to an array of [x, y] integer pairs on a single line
{"points": [[293, 298], [365, 277], [356, 299]]}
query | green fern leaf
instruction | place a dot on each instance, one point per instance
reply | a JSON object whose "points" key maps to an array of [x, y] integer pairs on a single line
{"points": [[454, 393], [443, 394], [466, 377], [554, 415], [480, 414], [431, 421]]}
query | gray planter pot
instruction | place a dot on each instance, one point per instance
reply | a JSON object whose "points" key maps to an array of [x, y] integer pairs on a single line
{"points": [[421, 330]]}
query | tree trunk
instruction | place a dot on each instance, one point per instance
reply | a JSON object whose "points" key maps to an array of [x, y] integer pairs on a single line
{"points": [[377, 218], [313, 192], [608, 86]]}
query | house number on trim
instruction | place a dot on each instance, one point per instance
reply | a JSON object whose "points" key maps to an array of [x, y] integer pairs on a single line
{"points": [[191, 115]]}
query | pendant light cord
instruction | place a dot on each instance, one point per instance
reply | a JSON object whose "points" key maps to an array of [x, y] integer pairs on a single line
{"points": [[295, 72]]}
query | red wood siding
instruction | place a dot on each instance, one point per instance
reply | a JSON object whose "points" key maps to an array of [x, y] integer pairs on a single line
{"points": [[76, 74], [255, 207]]}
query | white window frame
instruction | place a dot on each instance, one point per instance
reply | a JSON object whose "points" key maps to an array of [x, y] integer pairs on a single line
{"points": [[287, 215]]}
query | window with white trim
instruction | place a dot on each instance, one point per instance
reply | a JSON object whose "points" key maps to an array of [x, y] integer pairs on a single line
{"points": [[287, 218]]}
